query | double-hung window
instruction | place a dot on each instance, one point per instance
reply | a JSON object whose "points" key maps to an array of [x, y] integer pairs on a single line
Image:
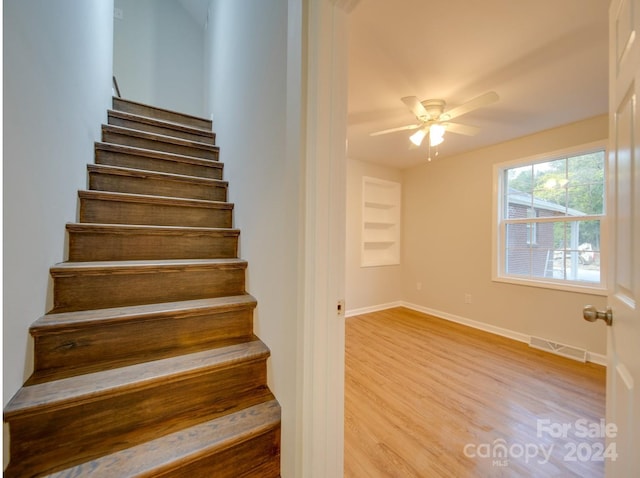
{"points": [[550, 218]]}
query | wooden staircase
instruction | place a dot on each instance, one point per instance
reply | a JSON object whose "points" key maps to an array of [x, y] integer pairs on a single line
{"points": [[147, 364]]}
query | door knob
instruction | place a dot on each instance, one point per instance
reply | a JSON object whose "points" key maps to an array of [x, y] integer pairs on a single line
{"points": [[592, 314]]}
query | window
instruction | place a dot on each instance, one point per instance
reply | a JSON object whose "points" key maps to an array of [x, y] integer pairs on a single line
{"points": [[550, 213]]}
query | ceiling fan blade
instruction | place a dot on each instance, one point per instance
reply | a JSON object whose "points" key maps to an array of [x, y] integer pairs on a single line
{"points": [[394, 130], [477, 102], [461, 129], [416, 107]]}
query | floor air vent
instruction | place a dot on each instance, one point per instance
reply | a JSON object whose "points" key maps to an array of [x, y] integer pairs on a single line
{"points": [[559, 349]]}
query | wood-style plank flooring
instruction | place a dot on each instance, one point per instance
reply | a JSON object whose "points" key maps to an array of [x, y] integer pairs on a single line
{"points": [[425, 397]]}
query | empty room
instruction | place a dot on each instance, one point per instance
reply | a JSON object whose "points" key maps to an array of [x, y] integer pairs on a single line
{"points": [[476, 235]]}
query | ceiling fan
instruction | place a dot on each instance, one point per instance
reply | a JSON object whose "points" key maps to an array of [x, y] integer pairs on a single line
{"points": [[433, 120]]}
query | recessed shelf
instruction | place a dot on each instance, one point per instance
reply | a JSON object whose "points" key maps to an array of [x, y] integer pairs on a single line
{"points": [[375, 244], [380, 222], [378, 205]]}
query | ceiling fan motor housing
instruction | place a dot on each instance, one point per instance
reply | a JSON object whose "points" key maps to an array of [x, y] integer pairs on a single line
{"points": [[434, 108]]}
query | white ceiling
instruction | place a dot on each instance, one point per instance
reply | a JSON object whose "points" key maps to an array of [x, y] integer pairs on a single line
{"points": [[546, 59]]}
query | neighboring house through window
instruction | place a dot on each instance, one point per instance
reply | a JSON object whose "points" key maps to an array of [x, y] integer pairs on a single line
{"points": [[550, 212]]}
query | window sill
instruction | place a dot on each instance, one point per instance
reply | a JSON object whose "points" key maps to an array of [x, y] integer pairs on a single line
{"points": [[580, 288]]}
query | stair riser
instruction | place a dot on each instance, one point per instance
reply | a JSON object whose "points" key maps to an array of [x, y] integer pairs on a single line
{"points": [[121, 212], [156, 187], [87, 246], [157, 145], [138, 340], [158, 113], [98, 291], [176, 133], [111, 158], [258, 457], [66, 437]]}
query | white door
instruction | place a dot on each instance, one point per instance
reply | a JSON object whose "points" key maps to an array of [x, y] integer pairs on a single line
{"points": [[623, 368]]}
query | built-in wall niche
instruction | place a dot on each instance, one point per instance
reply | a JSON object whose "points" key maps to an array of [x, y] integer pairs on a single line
{"points": [[380, 222]]}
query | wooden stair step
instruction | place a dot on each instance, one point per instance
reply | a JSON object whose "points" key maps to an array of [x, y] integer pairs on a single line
{"points": [[137, 181], [129, 106], [153, 125], [86, 341], [99, 285], [240, 444], [147, 364], [139, 158], [122, 242], [158, 142], [55, 395], [66, 422], [122, 208]]}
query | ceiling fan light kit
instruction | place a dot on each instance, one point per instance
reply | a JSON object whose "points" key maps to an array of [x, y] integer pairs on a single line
{"points": [[435, 131], [436, 134], [432, 116], [417, 137]]}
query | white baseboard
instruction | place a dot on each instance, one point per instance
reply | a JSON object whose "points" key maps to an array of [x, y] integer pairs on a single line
{"points": [[510, 334], [373, 308], [597, 358], [468, 322]]}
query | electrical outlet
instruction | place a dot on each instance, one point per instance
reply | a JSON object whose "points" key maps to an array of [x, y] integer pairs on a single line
{"points": [[418, 285], [118, 13], [467, 298]]}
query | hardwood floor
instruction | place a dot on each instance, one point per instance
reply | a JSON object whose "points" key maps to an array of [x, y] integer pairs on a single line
{"points": [[425, 397]]}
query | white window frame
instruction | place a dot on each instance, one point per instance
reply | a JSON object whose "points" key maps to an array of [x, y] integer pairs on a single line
{"points": [[532, 227], [499, 229]]}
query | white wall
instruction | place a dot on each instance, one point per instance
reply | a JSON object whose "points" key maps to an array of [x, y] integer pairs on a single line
{"points": [[158, 55], [448, 239], [258, 129], [57, 88], [367, 286]]}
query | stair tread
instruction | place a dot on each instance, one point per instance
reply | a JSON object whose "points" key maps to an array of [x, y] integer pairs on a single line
{"points": [[158, 137], [72, 391], [183, 446], [144, 173], [121, 148], [63, 320], [146, 198], [160, 122], [157, 108], [111, 267], [149, 229]]}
